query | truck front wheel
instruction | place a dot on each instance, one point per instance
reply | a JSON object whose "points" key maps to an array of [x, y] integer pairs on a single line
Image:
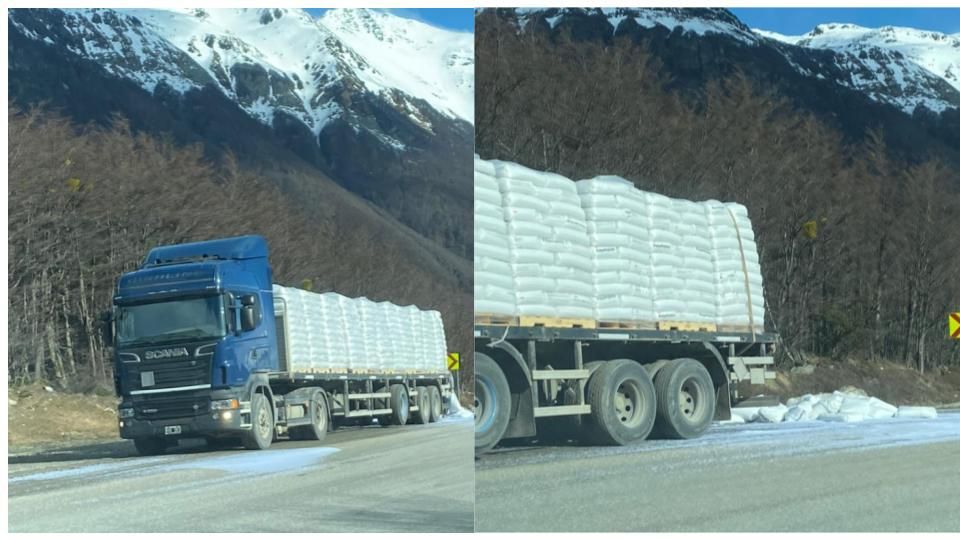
{"points": [[622, 403], [685, 399], [492, 407], [261, 432], [150, 446]]}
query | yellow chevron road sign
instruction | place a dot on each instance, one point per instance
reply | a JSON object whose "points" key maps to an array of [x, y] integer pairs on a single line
{"points": [[453, 361]]}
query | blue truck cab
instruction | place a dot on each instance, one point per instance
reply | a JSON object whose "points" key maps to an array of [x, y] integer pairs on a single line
{"points": [[193, 332]]}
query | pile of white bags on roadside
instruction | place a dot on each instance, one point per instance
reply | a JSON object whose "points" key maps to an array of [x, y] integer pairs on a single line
{"points": [[829, 407], [330, 331], [601, 248]]}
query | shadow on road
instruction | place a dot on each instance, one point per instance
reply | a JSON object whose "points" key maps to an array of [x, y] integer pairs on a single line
{"points": [[92, 451]]}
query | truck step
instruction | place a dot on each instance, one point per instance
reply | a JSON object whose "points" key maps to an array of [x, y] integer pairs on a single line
{"points": [[560, 410], [485, 319], [527, 321], [627, 325], [560, 374], [362, 412], [684, 326]]}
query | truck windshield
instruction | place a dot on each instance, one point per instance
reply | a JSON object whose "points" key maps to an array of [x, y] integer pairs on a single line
{"points": [[170, 320]]}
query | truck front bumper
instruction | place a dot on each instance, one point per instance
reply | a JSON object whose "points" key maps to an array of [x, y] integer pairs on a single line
{"points": [[212, 423]]}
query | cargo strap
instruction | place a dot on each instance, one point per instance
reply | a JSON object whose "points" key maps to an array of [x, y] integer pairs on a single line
{"points": [[746, 277]]}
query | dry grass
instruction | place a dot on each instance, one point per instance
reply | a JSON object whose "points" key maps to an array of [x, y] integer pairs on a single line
{"points": [[41, 417]]}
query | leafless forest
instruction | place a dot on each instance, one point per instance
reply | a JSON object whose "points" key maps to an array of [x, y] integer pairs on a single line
{"points": [[878, 277], [87, 203]]}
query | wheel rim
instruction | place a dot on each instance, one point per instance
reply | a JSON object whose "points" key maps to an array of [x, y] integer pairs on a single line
{"points": [[628, 404], [404, 409], [691, 399], [486, 405], [263, 422]]}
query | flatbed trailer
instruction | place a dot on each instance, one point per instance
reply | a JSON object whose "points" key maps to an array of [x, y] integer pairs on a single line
{"points": [[610, 385]]}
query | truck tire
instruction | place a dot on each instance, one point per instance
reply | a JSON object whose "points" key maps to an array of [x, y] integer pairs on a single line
{"points": [[400, 403], [436, 404], [150, 446], [623, 403], [685, 399], [261, 432], [492, 408], [422, 414], [317, 430]]}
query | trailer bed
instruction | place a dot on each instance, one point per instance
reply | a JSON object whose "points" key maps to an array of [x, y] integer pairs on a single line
{"points": [[544, 333]]}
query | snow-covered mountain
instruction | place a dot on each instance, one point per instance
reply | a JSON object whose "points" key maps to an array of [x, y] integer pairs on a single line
{"points": [[270, 60], [902, 67], [905, 67], [381, 104]]}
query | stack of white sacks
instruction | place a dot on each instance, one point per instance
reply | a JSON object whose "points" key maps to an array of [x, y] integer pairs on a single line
{"points": [[493, 279], [618, 231], [550, 258], [829, 407], [602, 249], [330, 331]]}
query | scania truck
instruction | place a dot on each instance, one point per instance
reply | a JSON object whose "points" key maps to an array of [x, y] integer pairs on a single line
{"points": [[205, 346]]}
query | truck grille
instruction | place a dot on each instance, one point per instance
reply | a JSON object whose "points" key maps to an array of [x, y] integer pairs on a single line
{"points": [[170, 373], [157, 408]]}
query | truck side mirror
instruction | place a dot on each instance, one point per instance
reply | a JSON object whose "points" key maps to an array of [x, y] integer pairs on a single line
{"points": [[248, 318], [106, 328], [248, 300]]}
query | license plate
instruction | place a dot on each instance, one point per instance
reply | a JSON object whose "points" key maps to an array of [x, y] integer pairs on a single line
{"points": [[172, 430]]}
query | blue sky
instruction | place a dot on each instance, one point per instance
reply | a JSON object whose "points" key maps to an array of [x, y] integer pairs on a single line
{"points": [[460, 19], [793, 21]]}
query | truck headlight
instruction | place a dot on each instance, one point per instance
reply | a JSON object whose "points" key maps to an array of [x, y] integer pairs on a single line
{"points": [[125, 413], [224, 404]]}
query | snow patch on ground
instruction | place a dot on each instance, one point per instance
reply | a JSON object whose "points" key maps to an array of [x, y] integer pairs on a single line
{"points": [[456, 411]]}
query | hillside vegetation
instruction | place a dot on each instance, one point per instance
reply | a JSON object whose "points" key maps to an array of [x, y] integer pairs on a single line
{"points": [[86, 203], [858, 248]]}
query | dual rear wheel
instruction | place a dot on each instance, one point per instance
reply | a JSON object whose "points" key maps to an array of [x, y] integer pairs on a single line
{"points": [[626, 405]]}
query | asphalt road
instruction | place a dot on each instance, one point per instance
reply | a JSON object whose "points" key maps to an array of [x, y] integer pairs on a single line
{"points": [[877, 475], [412, 478]]}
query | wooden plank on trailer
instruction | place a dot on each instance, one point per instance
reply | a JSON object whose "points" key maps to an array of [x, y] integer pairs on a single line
{"points": [[627, 325], [556, 322], [739, 328], [686, 326], [494, 320]]}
